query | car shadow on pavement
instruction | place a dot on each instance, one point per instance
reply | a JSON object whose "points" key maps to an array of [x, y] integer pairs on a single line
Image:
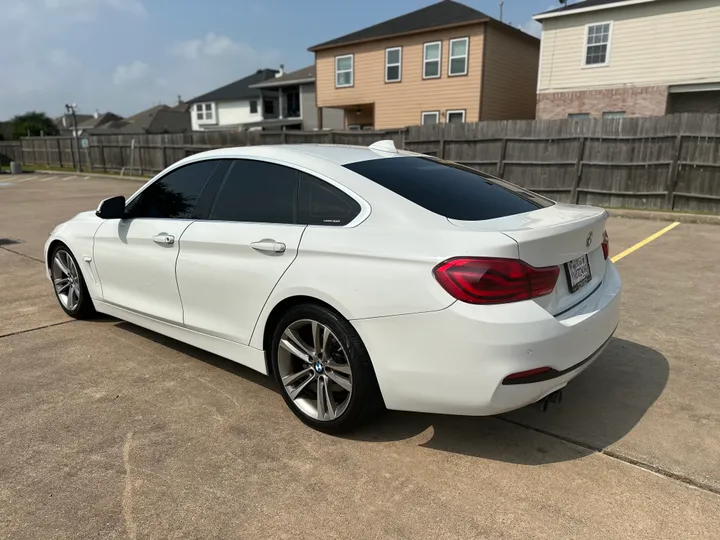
{"points": [[600, 407], [199, 354]]}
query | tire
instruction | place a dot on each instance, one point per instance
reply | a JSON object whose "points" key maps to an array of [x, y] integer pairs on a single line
{"points": [[342, 360], [72, 293]]}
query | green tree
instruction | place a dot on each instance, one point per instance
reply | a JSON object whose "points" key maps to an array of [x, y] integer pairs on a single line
{"points": [[33, 123]]}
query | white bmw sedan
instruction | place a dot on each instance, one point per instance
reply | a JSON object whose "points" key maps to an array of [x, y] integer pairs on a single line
{"points": [[357, 277]]}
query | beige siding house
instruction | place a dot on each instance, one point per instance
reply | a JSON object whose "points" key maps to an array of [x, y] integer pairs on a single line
{"points": [[443, 63], [630, 58]]}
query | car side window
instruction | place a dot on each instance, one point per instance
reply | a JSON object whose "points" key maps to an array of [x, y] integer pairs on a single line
{"points": [[259, 192], [174, 195], [324, 204]]}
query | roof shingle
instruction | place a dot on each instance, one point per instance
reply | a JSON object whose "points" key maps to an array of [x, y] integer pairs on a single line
{"points": [[440, 14], [240, 89], [581, 5], [306, 74]]}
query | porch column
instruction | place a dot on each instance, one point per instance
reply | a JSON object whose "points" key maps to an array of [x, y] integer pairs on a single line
{"points": [[280, 102]]}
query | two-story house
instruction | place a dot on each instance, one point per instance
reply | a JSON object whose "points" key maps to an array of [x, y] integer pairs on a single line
{"points": [[234, 105], [618, 58], [296, 103], [443, 63]]}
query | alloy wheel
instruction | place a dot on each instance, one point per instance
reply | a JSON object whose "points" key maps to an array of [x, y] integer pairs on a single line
{"points": [[314, 370], [66, 280]]}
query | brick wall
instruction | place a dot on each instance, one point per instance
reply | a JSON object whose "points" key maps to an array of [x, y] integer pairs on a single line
{"points": [[635, 101]]}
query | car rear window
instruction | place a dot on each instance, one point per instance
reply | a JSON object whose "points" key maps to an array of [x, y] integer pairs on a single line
{"points": [[449, 189]]}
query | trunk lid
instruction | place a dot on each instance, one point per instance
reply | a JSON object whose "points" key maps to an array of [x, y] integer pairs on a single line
{"points": [[554, 236]]}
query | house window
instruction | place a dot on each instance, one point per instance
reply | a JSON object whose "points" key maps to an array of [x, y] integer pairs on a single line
{"points": [[455, 117], [344, 71], [614, 114], [432, 53], [205, 112], [393, 64], [291, 100], [430, 117], [578, 116], [597, 44], [253, 106], [458, 64], [268, 107]]}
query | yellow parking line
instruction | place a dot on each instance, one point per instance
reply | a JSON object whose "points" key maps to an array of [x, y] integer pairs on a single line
{"points": [[640, 244]]}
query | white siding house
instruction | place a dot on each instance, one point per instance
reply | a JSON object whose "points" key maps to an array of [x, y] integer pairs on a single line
{"points": [[231, 106], [630, 57]]}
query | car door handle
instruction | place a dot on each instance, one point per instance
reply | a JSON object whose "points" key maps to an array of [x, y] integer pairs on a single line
{"points": [[269, 245], [164, 239]]}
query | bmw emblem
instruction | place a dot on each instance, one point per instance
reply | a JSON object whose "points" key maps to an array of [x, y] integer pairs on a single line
{"points": [[318, 367], [589, 239]]}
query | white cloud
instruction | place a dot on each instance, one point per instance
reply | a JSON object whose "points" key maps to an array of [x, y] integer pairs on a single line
{"points": [[134, 7], [210, 45], [58, 51], [129, 73], [61, 58], [214, 60]]}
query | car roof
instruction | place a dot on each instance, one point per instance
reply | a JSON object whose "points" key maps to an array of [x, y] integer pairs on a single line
{"points": [[341, 154]]}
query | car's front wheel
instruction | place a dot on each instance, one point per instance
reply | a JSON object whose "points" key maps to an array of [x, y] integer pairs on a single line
{"points": [[69, 284], [323, 369]]}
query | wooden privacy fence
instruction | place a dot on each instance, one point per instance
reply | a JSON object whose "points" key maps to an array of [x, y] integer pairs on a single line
{"points": [[669, 162]]}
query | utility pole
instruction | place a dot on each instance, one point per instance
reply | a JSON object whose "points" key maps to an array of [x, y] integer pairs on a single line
{"points": [[70, 108], [501, 10]]}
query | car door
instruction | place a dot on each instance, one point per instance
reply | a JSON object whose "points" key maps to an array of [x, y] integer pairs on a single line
{"points": [[135, 257], [230, 262]]}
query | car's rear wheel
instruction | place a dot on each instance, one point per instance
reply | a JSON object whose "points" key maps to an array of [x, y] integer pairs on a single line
{"points": [[69, 284], [324, 370]]}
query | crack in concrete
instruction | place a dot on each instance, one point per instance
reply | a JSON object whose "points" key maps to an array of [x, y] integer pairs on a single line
{"points": [[18, 332], [130, 525], [621, 457], [22, 254]]}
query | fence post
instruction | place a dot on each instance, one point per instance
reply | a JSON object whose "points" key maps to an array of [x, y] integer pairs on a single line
{"points": [[102, 157], [332, 137], [34, 157], [501, 161], [47, 153], [574, 195], [283, 137], [72, 154], [59, 147], [88, 156], [140, 159], [441, 144], [673, 174], [164, 157]]}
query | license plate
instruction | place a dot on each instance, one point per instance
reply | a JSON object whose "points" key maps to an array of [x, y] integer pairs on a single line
{"points": [[578, 273]]}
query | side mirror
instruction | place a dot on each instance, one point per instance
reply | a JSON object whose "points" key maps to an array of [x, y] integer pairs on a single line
{"points": [[112, 208]]}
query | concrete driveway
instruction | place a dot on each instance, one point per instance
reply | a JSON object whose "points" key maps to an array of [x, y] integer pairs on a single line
{"points": [[110, 431]]}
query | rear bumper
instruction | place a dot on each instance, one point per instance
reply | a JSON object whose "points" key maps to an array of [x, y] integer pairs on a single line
{"points": [[454, 361], [554, 373]]}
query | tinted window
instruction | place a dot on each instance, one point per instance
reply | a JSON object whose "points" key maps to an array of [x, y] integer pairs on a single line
{"points": [[323, 204], [174, 195], [256, 191], [449, 189]]}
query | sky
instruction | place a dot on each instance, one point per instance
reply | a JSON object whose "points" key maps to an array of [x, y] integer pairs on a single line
{"points": [[127, 55]]}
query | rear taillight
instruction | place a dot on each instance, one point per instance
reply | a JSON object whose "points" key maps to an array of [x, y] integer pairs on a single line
{"points": [[479, 280], [606, 245]]}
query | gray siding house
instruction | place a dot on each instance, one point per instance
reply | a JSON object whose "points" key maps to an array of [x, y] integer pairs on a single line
{"points": [[292, 103]]}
